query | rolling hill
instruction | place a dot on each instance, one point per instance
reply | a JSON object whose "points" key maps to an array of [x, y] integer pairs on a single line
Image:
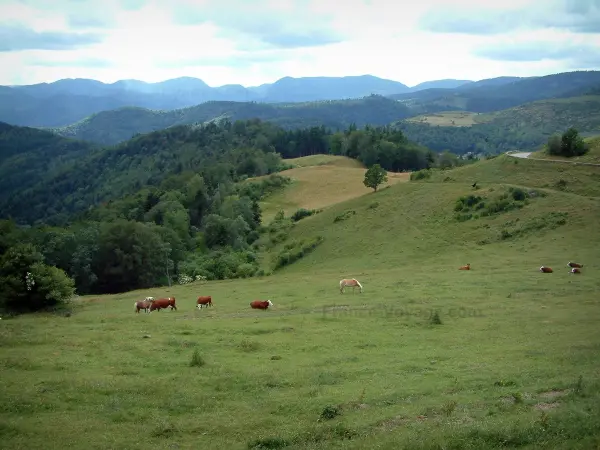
{"points": [[320, 181], [111, 127], [501, 93], [525, 127], [66, 177], [425, 357]]}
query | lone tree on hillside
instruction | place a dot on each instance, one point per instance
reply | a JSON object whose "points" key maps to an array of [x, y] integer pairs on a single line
{"points": [[375, 176], [569, 144]]}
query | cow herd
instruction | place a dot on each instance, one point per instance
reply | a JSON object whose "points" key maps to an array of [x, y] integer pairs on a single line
{"points": [[150, 304], [575, 268]]}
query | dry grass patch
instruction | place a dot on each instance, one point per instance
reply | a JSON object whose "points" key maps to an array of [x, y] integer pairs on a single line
{"points": [[316, 187], [449, 119], [319, 160]]}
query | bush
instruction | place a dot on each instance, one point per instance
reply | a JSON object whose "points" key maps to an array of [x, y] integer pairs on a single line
{"points": [[30, 285], [512, 198], [420, 175], [345, 215], [569, 144], [549, 221], [296, 250], [257, 190], [302, 213], [219, 265]]}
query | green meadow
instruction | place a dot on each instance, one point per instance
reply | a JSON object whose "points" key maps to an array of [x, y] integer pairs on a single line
{"points": [[426, 357]]}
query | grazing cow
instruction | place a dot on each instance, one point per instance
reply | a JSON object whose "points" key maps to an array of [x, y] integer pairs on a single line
{"points": [[545, 269], [467, 267], [353, 283], [145, 305], [575, 270], [163, 303], [574, 264], [260, 304], [207, 300]]}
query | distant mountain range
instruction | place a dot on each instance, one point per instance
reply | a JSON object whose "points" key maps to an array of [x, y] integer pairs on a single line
{"points": [[66, 101]]}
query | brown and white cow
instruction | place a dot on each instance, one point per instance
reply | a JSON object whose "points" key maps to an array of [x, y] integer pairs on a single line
{"points": [[163, 303], [206, 300], [574, 264], [467, 267], [145, 305], [575, 270], [545, 269], [260, 304]]}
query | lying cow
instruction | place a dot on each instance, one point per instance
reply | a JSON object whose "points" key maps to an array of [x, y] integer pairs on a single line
{"points": [[545, 269], [575, 270], [163, 303], [202, 301], [575, 265], [467, 267], [260, 304]]}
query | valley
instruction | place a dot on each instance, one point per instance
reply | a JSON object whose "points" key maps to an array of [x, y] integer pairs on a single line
{"points": [[245, 201]]}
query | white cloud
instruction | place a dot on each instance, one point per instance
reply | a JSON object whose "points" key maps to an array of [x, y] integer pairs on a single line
{"points": [[238, 42]]}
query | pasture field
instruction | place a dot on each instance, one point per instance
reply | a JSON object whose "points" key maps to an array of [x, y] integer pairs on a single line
{"points": [[321, 181], [449, 118], [513, 363], [580, 180], [592, 156]]}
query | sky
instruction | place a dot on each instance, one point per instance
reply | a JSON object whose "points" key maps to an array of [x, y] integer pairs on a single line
{"points": [[260, 41]]}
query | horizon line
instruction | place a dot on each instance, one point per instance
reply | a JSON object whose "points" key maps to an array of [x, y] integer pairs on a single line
{"points": [[296, 78]]}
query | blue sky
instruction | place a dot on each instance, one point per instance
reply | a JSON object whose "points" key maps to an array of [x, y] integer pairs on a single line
{"points": [[260, 41]]}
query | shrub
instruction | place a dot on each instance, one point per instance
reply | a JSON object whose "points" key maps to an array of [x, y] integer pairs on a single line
{"points": [[569, 144], [219, 265], [296, 250], [197, 360], [550, 221], [512, 198], [302, 213], [257, 190], [345, 215], [420, 175], [30, 285]]}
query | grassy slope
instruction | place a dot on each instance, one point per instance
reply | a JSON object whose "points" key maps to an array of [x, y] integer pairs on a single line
{"points": [[581, 180], [581, 112], [320, 181], [593, 156], [92, 381]]}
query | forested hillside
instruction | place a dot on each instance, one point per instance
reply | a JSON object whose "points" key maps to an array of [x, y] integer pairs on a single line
{"points": [[111, 127], [216, 151], [29, 156], [177, 201]]}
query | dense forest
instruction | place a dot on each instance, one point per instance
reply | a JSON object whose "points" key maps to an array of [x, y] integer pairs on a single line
{"points": [[173, 204]]}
